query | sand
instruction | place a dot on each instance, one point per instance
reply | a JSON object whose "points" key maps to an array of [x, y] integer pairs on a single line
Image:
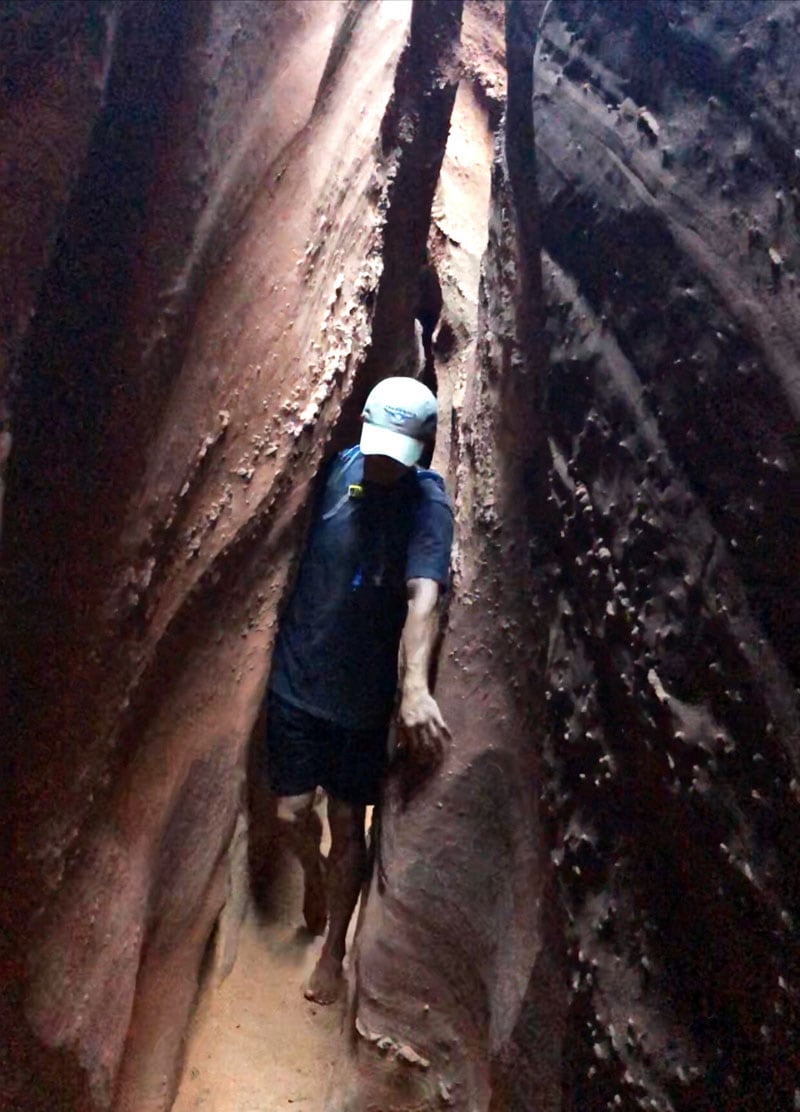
{"points": [[256, 1044]]}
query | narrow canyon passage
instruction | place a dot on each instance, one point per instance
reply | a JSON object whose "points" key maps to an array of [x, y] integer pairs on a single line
{"points": [[216, 218], [255, 1042], [257, 1045]]}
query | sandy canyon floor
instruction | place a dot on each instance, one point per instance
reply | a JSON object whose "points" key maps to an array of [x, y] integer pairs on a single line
{"points": [[256, 1044]]}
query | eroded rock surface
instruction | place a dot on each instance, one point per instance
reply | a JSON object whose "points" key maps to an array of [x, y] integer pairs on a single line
{"points": [[459, 986], [594, 905], [55, 62], [667, 175], [215, 293], [623, 636]]}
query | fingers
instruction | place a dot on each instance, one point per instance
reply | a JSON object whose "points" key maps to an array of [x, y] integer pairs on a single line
{"points": [[436, 732], [439, 726], [411, 742], [438, 723], [423, 736], [428, 743]]}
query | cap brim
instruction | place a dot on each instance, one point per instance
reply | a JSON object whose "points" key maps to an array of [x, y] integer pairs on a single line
{"points": [[377, 441]]}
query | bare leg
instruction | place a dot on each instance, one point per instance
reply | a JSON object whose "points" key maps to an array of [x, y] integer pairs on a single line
{"points": [[302, 832], [347, 868]]}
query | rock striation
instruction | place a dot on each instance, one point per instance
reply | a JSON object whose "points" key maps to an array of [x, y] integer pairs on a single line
{"points": [[667, 165], [623, 632], [214, 217], [216, 285]]}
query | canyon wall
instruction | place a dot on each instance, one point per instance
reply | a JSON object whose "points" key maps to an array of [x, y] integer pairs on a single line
{"points": [[232, 243], [598, 896], [668, 180], [55, 62], [460, 996], [213, 217]]}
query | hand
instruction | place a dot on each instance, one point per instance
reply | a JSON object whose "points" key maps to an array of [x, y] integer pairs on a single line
{"points": [[422, 731]]}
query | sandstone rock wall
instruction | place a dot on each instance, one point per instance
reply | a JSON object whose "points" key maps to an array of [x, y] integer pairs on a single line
{"points": [[667, 175], [213, 216], [460, 998], [54, 72], [615, 825], [209, 306]]}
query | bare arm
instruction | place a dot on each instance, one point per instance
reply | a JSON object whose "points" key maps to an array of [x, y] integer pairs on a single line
{"points": [[422, 728]]}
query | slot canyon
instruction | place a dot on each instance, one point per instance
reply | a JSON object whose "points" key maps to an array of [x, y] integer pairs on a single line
{"points": [[221, 223]]}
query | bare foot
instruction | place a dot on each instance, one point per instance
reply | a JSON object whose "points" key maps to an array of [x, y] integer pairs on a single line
{"points": [[326, 982]]}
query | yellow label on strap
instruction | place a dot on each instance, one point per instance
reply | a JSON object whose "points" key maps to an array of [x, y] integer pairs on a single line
{"points": [[355, 490]]}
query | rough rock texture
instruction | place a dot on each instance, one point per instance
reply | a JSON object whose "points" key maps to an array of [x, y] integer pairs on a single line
{"points": [[53, 74], [460, 216], [595, 905], [668, 178], [218, 286], [459, 985]]}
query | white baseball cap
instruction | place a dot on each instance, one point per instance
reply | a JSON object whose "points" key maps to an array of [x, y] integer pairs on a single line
{"points": [[399, 420]]}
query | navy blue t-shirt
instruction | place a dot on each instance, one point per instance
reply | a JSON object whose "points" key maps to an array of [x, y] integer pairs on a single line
{"points": [[336, 651]]}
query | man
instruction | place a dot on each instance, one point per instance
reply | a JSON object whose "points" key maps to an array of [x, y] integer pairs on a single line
{"points": [[377, 557]]}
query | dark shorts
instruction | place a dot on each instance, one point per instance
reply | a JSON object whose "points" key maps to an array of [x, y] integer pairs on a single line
{"points": [[304, 752]]}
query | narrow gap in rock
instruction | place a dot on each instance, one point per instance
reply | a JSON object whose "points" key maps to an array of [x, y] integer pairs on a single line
{"points": [[256, 1024], [221, 224]]}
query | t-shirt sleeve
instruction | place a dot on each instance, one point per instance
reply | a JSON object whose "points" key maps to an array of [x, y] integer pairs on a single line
{"points": [[432, 534]]}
